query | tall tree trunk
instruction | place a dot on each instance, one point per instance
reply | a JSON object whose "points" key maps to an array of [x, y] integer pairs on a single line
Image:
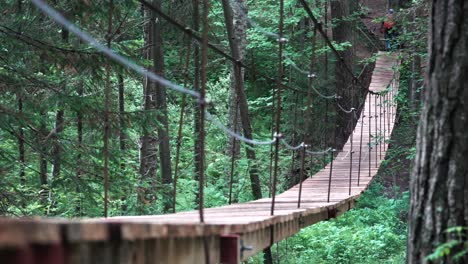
{"points": [[149, 142], [243, 105], [239, 10], [343, 32], [161, 111], [439, 184]]}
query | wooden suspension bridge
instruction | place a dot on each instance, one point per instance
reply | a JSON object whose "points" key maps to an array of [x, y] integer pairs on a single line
{"points": [[230, 233]]}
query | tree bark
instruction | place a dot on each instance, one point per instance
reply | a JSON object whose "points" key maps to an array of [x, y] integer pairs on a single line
{"points": [[243, 104], [343, 32], [240, 38], [149, 141], [439, 184], [161, 112]]}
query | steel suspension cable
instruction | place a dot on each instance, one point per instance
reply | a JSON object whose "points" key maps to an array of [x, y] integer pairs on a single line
{"points": [[383, 105], [204, 61], [332, 157], [293, 154], [179, 130], [360, 147], [318, 25], [301, 177], [278, 107], [233, 151], [389, 100], [106, 111], [311, 77], [273, 112], [325, 131], [353, 94], [351, 152], [202, 107], [55, 15], [194, 34]]}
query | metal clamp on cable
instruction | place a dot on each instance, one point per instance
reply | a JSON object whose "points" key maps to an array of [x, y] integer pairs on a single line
{"points": [[282, 40], [312, 75], [204, 101], [277, 136]]}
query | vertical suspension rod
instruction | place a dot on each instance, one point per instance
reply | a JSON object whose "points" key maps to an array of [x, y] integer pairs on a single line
{"points": [[278, 105], [179, 130], [311, 76], [296, 98], [273, 112], [202, 105], [376, 129], [332, 156], [325, 132], [301, 178], [106, 112], [370, 133], [384, 122], [380, 127], [233, 151], [360, 145], [351, 153], [204, 61]]}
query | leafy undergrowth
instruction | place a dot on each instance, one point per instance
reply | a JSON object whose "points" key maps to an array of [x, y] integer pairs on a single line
{"points": [[373, 232]]}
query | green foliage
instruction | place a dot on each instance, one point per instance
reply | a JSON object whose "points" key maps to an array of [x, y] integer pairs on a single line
{"points": [[456, 248], [370, 233]]}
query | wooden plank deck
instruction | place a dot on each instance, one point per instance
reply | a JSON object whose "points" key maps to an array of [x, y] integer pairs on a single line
{"points": [[178, 238]]}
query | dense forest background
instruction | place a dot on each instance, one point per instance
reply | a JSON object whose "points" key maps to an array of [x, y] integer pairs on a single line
{"points": [[82, 136]]}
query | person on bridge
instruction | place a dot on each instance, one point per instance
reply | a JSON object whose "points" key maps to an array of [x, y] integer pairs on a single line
{"points": [[388, 29]]}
